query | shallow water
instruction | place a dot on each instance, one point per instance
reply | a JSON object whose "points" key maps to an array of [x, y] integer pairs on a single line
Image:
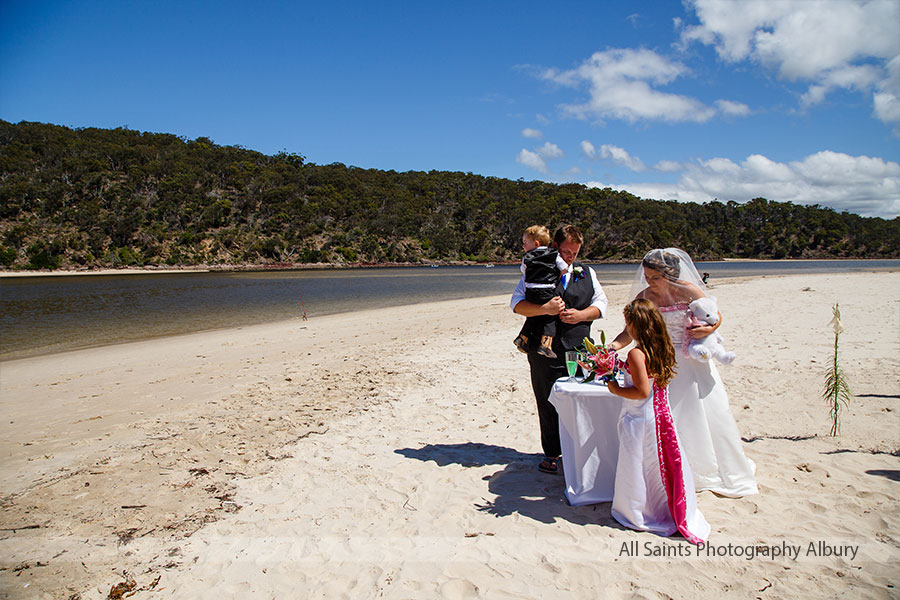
{"points": [[42, 315]]}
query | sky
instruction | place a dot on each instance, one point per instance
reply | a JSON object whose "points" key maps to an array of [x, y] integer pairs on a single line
{"points": [[729, 100]]}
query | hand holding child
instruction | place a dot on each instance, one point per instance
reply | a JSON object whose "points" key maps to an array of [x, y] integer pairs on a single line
{"points": [[554, 306]]}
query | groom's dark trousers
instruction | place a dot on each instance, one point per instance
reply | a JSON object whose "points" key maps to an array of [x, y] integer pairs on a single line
{"points": [[545, 371]]}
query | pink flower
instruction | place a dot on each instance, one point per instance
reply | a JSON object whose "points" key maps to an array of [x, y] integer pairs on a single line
{"points": [[604, 362], [599, 362]]}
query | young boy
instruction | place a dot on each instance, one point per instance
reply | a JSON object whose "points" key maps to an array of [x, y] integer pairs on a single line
{"points": [[541, 267]]}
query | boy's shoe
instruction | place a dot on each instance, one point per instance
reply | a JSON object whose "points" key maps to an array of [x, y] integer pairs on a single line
{"points": [[521, 343], [545, 349]]}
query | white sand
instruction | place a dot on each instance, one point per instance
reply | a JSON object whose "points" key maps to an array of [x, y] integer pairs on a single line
{"points": [[392, 454]]}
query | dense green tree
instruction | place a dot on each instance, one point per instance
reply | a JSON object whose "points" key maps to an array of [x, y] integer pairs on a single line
{"points": [[98, 197]]}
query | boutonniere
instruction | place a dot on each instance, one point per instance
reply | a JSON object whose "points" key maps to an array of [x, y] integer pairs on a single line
{"points": [[578, 273]]}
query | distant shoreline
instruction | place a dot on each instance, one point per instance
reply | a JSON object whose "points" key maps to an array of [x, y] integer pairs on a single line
{"points": [[343, 266], [239, 268], [67, 273]]}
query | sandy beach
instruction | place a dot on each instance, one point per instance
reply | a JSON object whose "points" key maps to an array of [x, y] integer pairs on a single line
{"points": [[392, 454]]}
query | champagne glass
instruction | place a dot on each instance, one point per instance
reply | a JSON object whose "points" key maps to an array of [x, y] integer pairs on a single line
{"points": [[572, 363]]}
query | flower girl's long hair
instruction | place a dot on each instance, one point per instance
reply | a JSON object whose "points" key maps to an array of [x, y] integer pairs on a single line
{"points": [[652, 337]]}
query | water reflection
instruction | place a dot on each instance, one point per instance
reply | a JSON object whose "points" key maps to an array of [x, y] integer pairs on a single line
{"points": [[41, 315], [50, 314]]}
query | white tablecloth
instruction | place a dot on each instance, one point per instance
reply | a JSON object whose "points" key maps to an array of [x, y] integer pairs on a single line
{"points": [[588, 414]]}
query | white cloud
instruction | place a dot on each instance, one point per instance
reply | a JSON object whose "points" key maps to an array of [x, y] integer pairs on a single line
{"points": [[588, 149], [622, 85], [835, 168], [759, 168], [622, 157], [658, 191], [887, 96], [531, 133], [799, 37], [887, 106], [532, 160], [549, 151], [668, 166], [537, 159], [722, 166], [860, 78], [814, 95], [859, 184], [734, 109], [835, 44]]}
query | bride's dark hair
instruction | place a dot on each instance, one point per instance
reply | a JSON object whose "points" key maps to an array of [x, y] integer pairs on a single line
{"points": [[664, 262], [651, 336]]}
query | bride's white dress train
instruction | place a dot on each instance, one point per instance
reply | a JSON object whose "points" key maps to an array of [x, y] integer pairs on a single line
{"points": [[706, 427], [654, 488]]}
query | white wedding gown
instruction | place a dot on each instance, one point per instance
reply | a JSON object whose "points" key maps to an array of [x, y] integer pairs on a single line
{"points": [[647, 496], [706, 427]]}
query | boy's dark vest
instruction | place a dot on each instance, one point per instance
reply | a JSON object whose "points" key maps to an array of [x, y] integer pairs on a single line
{"points": [[578, 294], [540, 266]]}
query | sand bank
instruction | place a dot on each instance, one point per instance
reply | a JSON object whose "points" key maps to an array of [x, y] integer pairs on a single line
{"points": [[70, 273], [392, 453]]}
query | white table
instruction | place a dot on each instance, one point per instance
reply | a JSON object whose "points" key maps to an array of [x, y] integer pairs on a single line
{"points": [[588, 414]]}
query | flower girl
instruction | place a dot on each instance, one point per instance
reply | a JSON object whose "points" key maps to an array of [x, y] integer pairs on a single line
{"points": [[654, 488]]}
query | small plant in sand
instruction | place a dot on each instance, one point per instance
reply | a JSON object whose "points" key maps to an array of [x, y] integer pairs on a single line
{"points": [[836, 391]]}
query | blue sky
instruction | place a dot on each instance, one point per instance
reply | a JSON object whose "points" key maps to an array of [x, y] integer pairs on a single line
{"points": [[789, 100]]}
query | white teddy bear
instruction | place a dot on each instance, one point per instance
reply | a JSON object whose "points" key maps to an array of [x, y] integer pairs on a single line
{"points": [[703, 311]]}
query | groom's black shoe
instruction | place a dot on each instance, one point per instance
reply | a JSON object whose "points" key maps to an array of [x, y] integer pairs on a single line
{"points": [[549, 465]]}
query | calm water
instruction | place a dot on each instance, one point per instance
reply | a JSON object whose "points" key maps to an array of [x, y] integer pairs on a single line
{"points": [[41, 315]]}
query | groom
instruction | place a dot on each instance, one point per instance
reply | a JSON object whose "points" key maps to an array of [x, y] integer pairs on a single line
{"points": [[579, 301]]}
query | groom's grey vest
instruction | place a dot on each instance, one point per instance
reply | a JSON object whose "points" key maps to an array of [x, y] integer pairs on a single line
{"points": [[578, 294]]}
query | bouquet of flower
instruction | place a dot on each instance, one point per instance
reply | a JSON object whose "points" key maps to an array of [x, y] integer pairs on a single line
{"points": [[600, 363]]}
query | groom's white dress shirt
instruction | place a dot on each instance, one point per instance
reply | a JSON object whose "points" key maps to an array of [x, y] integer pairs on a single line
{"points": [[598, 299]]}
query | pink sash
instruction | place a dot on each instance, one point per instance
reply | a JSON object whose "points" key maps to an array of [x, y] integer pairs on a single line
{"points": [[670, 462]]}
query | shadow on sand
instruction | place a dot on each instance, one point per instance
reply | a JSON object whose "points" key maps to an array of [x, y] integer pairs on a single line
{"points": [[519, 487], [892, 474]]}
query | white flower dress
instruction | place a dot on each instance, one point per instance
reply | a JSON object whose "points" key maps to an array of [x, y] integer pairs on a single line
{"points": [[654, 489]]}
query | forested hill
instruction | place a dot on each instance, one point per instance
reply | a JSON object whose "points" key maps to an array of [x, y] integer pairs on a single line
{"points": [[98, 197]]}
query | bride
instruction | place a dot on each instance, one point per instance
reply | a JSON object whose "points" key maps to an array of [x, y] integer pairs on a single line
{"points": [[697, 396]]}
